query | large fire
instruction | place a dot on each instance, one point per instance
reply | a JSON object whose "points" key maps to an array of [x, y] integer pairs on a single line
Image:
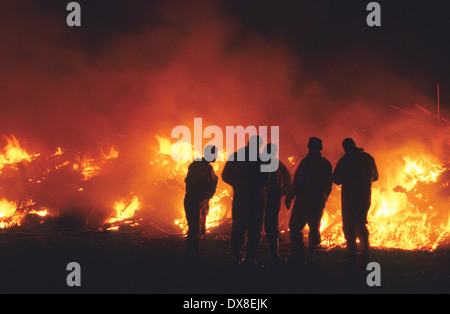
{"points": [[410, 211], [23, 173], [410, 204], [218, 204]]}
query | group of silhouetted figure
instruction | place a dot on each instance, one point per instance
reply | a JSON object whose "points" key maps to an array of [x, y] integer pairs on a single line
{"points": [[257, 200]]}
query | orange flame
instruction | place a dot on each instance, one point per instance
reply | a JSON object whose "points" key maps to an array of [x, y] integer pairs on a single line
{"points": [[125, 209], [13, 153], [402, 215]]}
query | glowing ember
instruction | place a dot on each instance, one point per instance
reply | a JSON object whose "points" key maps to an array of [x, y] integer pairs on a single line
{"points": [[216, 210], [13, 153], [113, 153], [90, 167], [87, 167], [403, 215], [124, 209], [42, 212], [7, 214], [420, 171]]}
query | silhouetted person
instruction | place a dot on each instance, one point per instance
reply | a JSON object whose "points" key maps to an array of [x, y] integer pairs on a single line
{"points": [[277, 186], [356, 171], [311, 187], [248, 184], [201, 183]]}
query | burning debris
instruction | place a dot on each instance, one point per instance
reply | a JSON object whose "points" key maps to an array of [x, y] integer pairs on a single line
{"points": [[409, 212], [409, 206], [409, 209], [34, 187], [124, 213]]}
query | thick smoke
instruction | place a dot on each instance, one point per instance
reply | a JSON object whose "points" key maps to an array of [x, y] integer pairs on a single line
{"points": [[86, 89]]}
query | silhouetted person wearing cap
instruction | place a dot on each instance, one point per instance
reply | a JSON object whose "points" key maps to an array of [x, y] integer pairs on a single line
{"points": [[311, 187], [356, 171], [248, 184], [201, 183], [277, 186]]}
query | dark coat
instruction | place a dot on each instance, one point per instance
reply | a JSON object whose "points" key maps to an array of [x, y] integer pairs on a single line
{"points": [[201, 181], [356, 171], [312, 181]]}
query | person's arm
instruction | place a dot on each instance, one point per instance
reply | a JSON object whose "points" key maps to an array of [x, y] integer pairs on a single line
{"points": [[328, 183], [229, 172], [375, 171], [294, 187], [337, 176], [285, 179]]}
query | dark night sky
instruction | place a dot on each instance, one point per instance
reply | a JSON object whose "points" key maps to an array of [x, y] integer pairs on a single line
{"points": [[109, 63], [413, 40]]}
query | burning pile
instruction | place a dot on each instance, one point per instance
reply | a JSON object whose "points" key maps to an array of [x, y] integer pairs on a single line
{"points": [[410, 203], [410, 208], [123, 213], [32, 186]]}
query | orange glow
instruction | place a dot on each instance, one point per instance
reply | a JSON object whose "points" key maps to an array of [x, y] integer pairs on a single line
{"points": [[90, 167], [42, 212], [8, 215], [408, 210], [401, 216], [179, 170], [125, 209], [113, 153], [13, 153]]}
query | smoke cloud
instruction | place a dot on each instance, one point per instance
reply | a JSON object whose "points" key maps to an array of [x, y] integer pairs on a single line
{"points": [[134, 71]]}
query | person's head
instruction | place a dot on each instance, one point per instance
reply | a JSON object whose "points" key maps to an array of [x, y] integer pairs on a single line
{"points": [[255, 141], [348, 144], [253, 148], [269, 157], [315, 144], [210, 153], [271, 149]]}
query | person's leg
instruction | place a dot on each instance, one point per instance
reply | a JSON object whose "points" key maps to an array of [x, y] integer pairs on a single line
{"points": [[254, 232], [296, 224], [314, 233], [363, 235], [193, 235], [272, 231], [238, 229], [349, 229]]}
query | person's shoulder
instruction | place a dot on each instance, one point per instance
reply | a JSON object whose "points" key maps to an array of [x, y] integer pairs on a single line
{"points": [[195, 164], [232, 157], [304, 161], [367, 155], [343, 158], [325, 161]]}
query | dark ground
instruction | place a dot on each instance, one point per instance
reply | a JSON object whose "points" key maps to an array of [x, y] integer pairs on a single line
{"points": [[117, 262]]}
